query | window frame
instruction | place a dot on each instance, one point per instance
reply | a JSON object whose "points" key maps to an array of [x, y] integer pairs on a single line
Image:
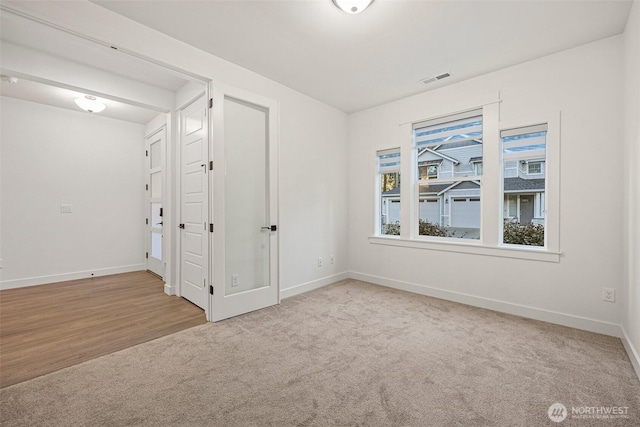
{"points": [[534, 163], [418, 149], [492, 200], [378, 189]]}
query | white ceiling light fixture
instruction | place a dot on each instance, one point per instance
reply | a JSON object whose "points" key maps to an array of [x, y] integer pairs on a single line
{"points": [[352, 6], [90, 104]]}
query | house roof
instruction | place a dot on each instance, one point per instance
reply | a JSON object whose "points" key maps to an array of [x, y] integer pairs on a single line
{"points": [[436, 188], [438, 153], [393, 192], [430, 189], [510, 185], [519, 184]]}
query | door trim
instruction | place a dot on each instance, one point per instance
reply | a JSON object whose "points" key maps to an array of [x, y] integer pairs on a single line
{"points": [[217, 189], [162, 129]]}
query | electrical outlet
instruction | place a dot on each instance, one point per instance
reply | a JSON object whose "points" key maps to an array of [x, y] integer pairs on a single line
{"points": [[320, 262], [235, 280], [332, 260], [609, 294]]}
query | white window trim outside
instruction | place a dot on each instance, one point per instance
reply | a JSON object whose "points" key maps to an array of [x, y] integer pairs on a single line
{"points": [[536, 163], [551, 168], [378, 192], [491, 196]]}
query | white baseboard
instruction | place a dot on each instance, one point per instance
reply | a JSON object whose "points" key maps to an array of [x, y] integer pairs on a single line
{"points": [[169, 290], [314, 284], [54, 278], [631, 351], [557, 318]]}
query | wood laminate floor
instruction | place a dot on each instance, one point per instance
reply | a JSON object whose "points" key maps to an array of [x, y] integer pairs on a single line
{"points": [[49, 327]]}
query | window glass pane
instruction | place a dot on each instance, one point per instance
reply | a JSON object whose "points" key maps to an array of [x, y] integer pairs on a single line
{"points": [[156, 217], [449, 153], [156, 187], [523, 160], [156, 245], [155, 155], [389, 176]]}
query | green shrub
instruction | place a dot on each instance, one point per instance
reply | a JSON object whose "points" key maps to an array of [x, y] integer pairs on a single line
{"points": [[391, 229], [527, 234], [426, 228]]}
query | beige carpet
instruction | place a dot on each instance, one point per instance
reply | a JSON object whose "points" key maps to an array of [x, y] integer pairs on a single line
{"points": [[350, 354]]}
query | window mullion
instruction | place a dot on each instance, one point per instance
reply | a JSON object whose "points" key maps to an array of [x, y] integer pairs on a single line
{"points": [[491, 202], [408, 189]]}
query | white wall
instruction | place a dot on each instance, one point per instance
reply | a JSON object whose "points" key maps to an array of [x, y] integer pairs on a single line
{"points": [[52, 156], [313, 141], [585, 85], [631, 296]]}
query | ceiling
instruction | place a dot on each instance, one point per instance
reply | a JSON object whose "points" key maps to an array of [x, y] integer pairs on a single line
{"points": [[351, 62], [68, 67], [354, 62], [60, 97]]}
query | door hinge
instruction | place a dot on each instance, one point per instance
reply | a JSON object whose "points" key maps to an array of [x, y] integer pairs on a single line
{"points": [[210, 102], [146, 187], [146, 255], [211, 289], [211, 165], [181, 226], [146, 221], [146, 153], [210, 228]]}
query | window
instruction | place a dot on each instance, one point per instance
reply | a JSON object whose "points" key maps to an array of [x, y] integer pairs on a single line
{"points": [[449, 163], [535, 168], [478, 168], [389, 192], [445, 206], [524, 208], [428, 170]]}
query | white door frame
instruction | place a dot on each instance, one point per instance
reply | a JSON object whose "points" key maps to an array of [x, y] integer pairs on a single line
{"points": [[160, 131], [229, 307]]}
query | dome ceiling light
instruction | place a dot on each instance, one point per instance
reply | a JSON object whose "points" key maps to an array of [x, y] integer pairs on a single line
{"points": [[352, 6], [90, 104]]}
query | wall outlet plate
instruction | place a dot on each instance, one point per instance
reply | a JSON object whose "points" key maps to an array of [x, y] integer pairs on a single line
{"points": [[320, 262], [609, 294], [235, 280]]}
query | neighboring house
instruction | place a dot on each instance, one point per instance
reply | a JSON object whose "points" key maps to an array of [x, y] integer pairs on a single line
{"points": [[457, 203], [524, 191]]}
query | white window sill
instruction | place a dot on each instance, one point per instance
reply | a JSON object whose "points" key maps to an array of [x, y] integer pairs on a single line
{"points": [[471, 247]]}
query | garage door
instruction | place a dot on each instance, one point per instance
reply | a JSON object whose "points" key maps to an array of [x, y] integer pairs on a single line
{"points": [[465, 212], [394, 212], [430, 210]]}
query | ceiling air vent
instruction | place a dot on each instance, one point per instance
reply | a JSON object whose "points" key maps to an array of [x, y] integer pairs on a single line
{"points": [[435, 79]]}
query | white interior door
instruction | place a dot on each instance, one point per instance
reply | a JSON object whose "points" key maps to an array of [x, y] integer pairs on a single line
{"points": [[246, 208], [194, 202], [154, 146]]}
